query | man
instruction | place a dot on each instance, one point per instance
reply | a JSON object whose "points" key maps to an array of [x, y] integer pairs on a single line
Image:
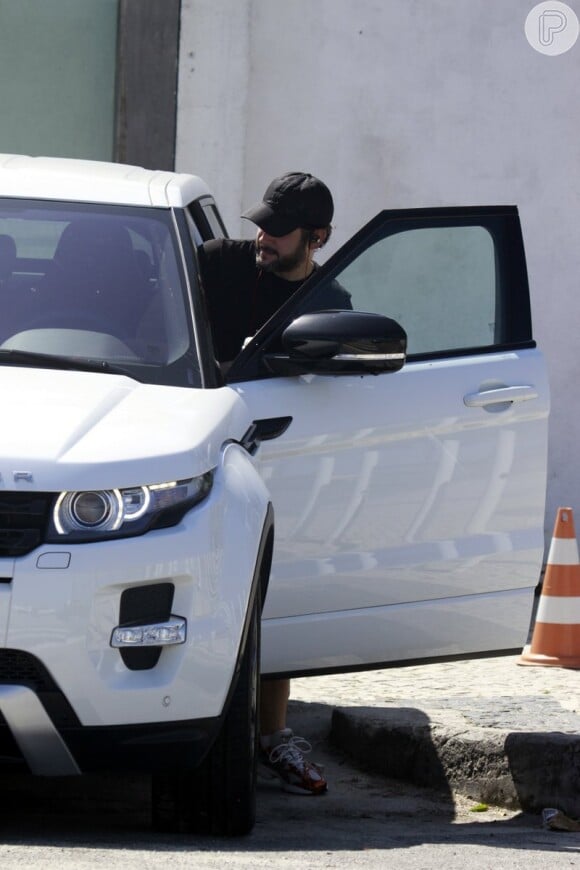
{"points": [[246, 282]]}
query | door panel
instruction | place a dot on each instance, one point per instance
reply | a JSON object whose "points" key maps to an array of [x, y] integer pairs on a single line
{"points": [[390, 489], [419, 493]]}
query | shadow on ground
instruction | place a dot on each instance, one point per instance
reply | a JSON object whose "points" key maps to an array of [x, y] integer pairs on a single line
{"points": [[364, 809]]}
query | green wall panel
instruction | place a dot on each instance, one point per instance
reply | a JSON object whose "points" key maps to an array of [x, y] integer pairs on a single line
{"points": [[57, 77]]}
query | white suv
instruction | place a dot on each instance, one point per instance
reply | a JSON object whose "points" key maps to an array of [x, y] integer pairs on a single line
{"points": [[138, 489]]}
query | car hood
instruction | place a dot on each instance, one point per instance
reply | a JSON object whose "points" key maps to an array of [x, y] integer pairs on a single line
{"points": [[83, 430]]}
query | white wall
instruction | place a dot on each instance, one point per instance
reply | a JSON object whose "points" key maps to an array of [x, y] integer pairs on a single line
{"points": [[401, 103], [212, 98]]}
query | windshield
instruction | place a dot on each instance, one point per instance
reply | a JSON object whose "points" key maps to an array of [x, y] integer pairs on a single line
{"points": [[99, 283]]}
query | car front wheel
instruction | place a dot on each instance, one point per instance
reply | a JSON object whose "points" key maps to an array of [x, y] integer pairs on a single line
{"points": [[220, 796]]}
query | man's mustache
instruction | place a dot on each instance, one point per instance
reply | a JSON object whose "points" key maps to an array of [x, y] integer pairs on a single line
{"points": [[265, 249]]}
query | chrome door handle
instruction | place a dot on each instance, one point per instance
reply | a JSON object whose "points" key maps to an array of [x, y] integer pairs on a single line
{"points": [[499, 395]]}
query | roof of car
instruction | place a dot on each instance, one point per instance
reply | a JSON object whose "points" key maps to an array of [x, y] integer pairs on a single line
{"points": [[93, 181]]}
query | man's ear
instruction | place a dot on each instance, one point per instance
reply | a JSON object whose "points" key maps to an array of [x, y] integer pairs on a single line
{"points": [[317, 238]]}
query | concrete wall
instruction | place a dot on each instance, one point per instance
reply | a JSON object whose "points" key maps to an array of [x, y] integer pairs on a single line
{"points": [[400, 103]]}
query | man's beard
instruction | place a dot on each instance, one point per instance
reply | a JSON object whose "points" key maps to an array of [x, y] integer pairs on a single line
{"points": [[281, 264]]}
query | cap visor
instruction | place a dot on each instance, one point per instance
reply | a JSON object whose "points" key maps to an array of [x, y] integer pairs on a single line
{"points": [[267, 219]]}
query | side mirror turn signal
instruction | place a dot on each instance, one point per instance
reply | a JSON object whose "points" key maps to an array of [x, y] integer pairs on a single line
{"points": [[340, 343]]}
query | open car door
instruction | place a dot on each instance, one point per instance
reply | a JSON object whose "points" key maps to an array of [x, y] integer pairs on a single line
{"points": [[409, 504]]}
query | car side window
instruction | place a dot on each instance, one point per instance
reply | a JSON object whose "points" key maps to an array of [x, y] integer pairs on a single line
{"points": [[452, 287], [204, 214], [454, 278], [438, 283]]}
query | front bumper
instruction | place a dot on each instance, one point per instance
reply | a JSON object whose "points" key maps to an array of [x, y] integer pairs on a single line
{"points": [[66, 691], [61, 605], [49, 747]]}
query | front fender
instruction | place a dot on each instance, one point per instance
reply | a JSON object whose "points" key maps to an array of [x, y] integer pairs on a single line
{"points": [[246, 540], [67, 614]]}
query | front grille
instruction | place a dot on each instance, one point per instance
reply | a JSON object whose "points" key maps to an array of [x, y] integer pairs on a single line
{"points": [[23, 521], [23, 669]]}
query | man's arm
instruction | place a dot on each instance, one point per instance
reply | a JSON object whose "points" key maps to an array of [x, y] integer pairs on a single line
{"points": [[330, 295], [227, 269]]}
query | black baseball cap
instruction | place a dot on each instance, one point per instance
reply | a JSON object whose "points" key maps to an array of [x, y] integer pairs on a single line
{"points": [[296, 199]]}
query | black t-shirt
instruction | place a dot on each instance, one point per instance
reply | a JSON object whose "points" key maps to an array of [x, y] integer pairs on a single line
{"points": [[241, 297]]}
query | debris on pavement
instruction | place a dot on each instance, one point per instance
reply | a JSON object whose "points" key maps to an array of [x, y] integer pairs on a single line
{"points": [[556, 820]]}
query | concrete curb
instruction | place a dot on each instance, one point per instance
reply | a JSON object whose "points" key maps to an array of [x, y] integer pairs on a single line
{"points": [[514, 769]]}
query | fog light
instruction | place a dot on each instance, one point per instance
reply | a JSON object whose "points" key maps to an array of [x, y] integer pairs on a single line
{"points": [[127, 637], [173, 631]]}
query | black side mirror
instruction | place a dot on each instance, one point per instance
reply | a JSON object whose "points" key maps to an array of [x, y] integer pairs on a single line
{"points": [[340, 342]]}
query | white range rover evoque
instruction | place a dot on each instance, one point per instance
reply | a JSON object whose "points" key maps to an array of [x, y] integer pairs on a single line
{"points": [[138, 488]]}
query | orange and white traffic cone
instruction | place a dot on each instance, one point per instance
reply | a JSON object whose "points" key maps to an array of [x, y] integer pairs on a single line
{"points": [[556, 635]]}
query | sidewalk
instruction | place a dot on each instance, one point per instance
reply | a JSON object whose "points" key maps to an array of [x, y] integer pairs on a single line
{"points": [[488, 728]]}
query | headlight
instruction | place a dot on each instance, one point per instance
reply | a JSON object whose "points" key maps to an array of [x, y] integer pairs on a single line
{"points": [[118, 513]]}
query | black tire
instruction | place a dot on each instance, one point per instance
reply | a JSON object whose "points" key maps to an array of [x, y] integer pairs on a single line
{"points": [[220, 796]]}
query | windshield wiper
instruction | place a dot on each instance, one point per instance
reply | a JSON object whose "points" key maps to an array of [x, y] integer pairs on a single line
{"points": [[69, 363]]}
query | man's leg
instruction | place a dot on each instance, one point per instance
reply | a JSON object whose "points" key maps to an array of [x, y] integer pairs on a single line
{"points": [[282, 753], [273, 706]]}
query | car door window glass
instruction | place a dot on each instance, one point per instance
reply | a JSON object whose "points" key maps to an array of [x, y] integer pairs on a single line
{"points": [[439, 283], [214, 220], [454, 278], [194, 232], [204, 214]]}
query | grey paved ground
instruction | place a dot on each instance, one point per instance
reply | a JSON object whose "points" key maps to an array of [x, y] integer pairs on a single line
{"points": [[487, 728]]}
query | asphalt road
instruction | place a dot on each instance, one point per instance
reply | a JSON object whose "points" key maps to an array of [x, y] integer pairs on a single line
{"points": [[364, 821]]}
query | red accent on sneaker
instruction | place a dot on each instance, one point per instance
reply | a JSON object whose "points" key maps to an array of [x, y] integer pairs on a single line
{"points": [[282, 755]]}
